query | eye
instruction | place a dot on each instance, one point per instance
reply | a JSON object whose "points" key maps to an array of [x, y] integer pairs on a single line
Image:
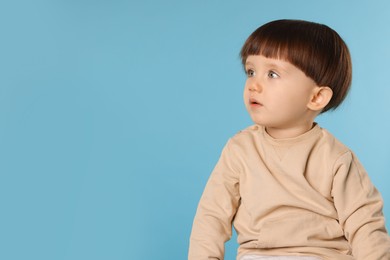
{"points": [[273, 75], [250, 73]]}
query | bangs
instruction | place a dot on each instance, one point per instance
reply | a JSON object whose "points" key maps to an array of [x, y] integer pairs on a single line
{"points": [[266, 47], [292, 44]]}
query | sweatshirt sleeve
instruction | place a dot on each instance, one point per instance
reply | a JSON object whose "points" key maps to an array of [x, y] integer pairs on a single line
{"points": [[212, 225], [359, 206]]}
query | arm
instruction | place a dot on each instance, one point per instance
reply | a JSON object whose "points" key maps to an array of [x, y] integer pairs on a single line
{"points": [[212, 225], [359, 206]]}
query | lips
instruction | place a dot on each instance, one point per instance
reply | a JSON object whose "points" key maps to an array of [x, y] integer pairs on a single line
{"points": [[255, 102]]}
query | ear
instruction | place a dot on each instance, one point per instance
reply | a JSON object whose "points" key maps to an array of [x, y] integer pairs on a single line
{"points": [[320, 98]]}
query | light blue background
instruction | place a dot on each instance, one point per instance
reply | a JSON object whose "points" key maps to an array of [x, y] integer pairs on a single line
{"points": [[114, 113]]}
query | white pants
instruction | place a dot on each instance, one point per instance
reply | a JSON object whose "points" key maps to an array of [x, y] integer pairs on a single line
{"points": [[259, 257]]}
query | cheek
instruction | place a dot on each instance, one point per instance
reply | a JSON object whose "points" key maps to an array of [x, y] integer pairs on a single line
{"points": [[294, 105], [246, 96], [245, 93], [301, 98]]}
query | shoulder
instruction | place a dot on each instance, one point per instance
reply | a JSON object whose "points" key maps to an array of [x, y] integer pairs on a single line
{"points": [[333, 147], [244, 142], [247, 133], [246, 136]]}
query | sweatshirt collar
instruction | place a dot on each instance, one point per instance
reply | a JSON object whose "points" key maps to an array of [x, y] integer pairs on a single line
{"points": [[315, 131]]}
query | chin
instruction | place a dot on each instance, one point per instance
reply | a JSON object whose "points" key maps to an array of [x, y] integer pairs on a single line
{"points": [[258, 122]]}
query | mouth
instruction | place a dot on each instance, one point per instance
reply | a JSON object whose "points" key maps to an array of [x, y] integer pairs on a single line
{"points": [[254, 102]]}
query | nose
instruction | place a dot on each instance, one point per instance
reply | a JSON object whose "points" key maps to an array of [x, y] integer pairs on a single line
{"points": [[254, 86]]}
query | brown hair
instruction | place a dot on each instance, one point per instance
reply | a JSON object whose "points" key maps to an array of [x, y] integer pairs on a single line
{"points": [[314, 48]]}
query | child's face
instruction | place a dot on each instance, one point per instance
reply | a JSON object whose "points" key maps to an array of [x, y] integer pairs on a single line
{"points": [[277, 93]]}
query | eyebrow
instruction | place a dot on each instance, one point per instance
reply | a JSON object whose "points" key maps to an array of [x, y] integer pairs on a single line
{"points": [[270, 64], [248, 63], [278, 66]]}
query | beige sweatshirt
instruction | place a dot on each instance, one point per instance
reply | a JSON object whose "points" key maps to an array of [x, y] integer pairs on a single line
{"points": [[307, 195]]}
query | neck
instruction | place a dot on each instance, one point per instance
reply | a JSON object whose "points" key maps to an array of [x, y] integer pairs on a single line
{"points": [[283, 133]]}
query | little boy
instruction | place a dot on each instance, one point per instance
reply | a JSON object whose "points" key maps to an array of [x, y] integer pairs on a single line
{"points": [[290, 188]]}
